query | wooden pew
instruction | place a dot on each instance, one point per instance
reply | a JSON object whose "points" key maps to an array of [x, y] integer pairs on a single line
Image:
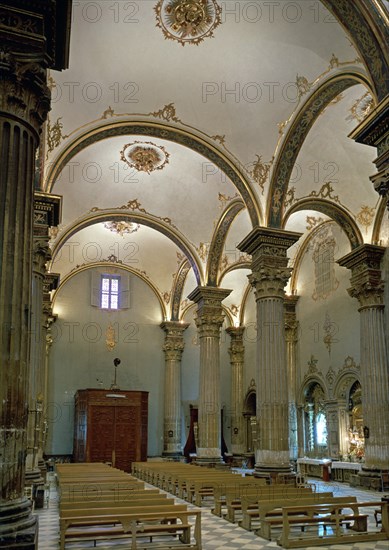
{"points": [[252, 510], [115, 495], [166, 521], [331, 514], [254, 494], [270, 512]]}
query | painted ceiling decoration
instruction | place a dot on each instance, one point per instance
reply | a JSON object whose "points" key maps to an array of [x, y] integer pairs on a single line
{"points": [[188, 21], [144, 156], [122, 227]]}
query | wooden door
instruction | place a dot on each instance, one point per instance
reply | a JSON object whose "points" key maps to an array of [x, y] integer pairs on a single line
{"points": [[101, 433]]}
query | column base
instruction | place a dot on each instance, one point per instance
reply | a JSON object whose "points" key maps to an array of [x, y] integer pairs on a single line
{"points": [[18, 527], [22, 540], [173, 455]]}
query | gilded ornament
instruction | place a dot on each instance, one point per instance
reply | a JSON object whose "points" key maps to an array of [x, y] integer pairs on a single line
{"points": [[365, 216], [188, 21], [108, 112], [144, 156], [54, 135], [361, 107], [110, 338], [312, 222], [260, 171], [122, 227], [168, 113]]}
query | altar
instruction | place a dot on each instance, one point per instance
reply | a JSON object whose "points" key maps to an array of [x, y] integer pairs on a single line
{"points": [[341, 471]]}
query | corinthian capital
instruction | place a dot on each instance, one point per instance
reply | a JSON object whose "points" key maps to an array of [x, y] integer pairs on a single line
{"points": [[366, 283], [24, 92], [270, 281]]}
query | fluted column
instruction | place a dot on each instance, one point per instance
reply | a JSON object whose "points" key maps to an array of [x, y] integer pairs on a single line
{"points": [[209, 321], [236, 352], [269, 276], [41, 255], [291, 337], [24, 103], [47, 210], [368, 287], [173, 348]]}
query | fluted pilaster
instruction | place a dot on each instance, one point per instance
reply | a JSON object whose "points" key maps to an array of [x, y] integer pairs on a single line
{"points": [[236, 351], [291, 338], [209, 321], [270, 274], [46, 214], [336, 416], [173, 348], [368, 287]]}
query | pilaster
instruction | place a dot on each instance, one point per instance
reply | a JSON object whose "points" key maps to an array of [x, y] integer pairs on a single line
{"points": [[236, 351], [173, 348], [368, 287], [209, 321], [270, 273], [291, 338]]}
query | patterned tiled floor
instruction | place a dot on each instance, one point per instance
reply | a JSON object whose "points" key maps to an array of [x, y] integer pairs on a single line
{"points": [[217, 534]]}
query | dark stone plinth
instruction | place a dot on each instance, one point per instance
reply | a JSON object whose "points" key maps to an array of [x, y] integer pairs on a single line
{"points": [[27, 539]]}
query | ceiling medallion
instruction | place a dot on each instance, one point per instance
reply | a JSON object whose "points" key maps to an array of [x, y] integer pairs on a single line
{"points": [[188, 21], [144, 156], [122, 228]]}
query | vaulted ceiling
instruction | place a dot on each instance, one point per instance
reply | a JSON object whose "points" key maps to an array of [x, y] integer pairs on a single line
{"points": [[194, 121]]}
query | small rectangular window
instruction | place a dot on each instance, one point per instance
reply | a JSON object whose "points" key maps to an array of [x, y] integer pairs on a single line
{"points": [[109, 292]]}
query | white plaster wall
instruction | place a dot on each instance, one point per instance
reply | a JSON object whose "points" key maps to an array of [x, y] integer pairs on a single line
{"points": [[339, 309], [80, 359]]}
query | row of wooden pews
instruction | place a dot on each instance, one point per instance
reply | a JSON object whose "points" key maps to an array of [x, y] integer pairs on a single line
{"points": [[100, 502], [293, 514]]}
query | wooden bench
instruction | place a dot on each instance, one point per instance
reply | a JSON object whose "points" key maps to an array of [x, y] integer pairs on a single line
{"points": [[156, 500], [170, 521], [330, 514], [251, 511], [254, 494], [270, 514], [114, 495], [235, 489]]}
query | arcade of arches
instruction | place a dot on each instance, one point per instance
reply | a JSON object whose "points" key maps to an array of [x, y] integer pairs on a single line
{"points": [[204, 198]]}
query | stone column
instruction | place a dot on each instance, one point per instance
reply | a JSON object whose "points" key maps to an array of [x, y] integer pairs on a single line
{"points": [[41, 255], [46, 215], [269, 276], [24, 103], [236, 352], [291, 337], [173, 348], [368, 287], [209, 322]]}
